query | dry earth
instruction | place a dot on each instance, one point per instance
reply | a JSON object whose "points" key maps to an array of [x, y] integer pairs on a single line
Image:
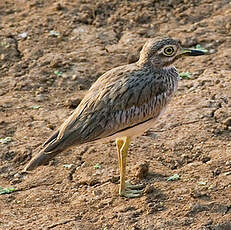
{"points": [[50, 53]]}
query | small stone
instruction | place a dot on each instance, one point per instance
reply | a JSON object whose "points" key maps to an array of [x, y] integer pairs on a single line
{"points": [[17, 175], [59, 7], [23, 35], [228, 26], [217, 81], [54, 33], [81, 87], [205, 159], [93, 182], [227, 121], [51, 126], [150, 189], [73, 103], [212, 51], [114, 179], [132, 58], [74, 77], [141, 170], [40, 98], [97, 192], [216, 172]]}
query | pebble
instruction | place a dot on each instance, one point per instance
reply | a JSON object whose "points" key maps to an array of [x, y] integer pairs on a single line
{"points": [[17, 175], [97, 192], [74, 77], [40, 98], [141, 171], [73, 103], [227, 121], [59, 7]]}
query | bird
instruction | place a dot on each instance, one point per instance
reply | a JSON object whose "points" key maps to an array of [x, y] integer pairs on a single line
{"points": [[123, 103]]}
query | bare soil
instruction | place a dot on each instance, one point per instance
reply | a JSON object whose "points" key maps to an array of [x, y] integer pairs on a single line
{"points": [[50, 54]]}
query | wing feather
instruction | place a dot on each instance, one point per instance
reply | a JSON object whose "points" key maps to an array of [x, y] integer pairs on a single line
{"points": [[114, 103]]}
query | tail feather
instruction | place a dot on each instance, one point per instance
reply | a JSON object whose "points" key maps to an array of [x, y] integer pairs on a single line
{"points": [[51, 138], [40, 159], [53, 148]]}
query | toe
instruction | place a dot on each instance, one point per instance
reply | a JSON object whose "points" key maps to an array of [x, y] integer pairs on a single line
{"points": [[131, 194], [135, 186]]}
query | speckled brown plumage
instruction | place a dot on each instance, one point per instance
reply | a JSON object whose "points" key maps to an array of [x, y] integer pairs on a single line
{"points": [[123, 102]]}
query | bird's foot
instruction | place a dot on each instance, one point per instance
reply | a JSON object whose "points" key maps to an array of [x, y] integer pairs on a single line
{"points": [[134, 186], [132, 191]]}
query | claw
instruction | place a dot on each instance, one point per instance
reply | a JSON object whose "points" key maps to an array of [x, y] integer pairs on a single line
{"points": [[129, 195], [134, 186], [132, 191]]}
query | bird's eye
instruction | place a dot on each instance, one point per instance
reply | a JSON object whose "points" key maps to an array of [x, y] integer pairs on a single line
{"points": [[169, 51]]}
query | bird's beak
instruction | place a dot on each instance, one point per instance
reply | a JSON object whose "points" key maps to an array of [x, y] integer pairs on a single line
{"points": [[192, 52]]}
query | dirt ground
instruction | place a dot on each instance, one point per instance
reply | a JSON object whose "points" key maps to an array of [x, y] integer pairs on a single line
{"points": [[50, 54]]}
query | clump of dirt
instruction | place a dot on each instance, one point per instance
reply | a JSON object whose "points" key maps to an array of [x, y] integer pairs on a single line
{"points": [[50, 54]]}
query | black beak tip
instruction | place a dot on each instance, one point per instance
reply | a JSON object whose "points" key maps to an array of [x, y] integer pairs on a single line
{"points": [[195, 52]]}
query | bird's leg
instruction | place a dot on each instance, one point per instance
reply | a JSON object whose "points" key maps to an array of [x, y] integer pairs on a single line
{"points": [[119, 144], [122, 166], [125, 189]]}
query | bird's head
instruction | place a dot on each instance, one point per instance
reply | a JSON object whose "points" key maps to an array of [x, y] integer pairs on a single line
{"points": [[162, 52]]}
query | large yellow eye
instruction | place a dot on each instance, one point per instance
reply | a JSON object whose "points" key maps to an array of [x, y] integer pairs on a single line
{"points": [[169, 51]]}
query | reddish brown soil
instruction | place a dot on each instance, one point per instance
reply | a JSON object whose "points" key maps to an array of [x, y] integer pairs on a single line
{"points": [[50, 53]]}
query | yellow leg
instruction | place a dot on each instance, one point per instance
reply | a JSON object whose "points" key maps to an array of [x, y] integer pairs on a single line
{"points": [[125, 188]]}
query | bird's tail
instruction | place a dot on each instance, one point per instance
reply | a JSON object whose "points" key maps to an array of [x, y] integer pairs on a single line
{"points": [[51, 148], [41, 158]]}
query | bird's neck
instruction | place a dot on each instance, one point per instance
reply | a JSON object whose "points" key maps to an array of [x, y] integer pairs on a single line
{"points": [[148, 64], [169, 67]]}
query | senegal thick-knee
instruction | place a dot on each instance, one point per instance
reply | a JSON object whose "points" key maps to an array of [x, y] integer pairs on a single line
{"points": [[123, 103]]}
